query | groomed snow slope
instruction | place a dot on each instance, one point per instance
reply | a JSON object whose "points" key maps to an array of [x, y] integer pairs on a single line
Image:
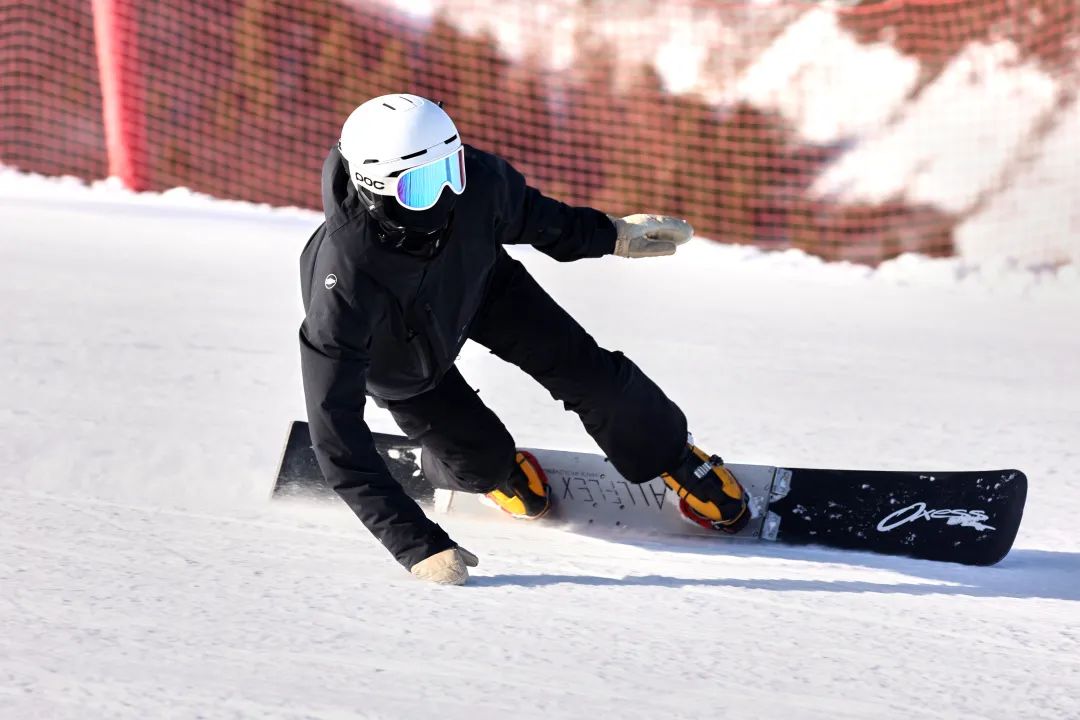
{"points": [[150, 369]]}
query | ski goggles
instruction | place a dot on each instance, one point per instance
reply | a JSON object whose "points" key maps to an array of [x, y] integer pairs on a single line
{"points": [[419, 188]]}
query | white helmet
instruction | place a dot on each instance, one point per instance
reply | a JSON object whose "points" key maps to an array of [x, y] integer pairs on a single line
{"points": [[391, 134]]}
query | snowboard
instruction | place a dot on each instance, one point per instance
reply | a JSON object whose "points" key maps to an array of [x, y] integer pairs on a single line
{"points": [[968, 517]]}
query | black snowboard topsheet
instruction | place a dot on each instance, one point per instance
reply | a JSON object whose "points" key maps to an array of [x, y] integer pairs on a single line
{"points": [[934, 516], [299, 475], [964, 517]]}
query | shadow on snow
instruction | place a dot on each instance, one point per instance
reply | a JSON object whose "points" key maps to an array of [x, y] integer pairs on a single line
{"points": [[1022, 574]]}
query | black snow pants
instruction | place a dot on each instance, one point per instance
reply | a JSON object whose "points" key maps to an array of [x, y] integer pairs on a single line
{"points": [[466, 446]]}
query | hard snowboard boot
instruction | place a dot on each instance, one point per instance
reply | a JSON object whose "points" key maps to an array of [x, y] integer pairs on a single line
{"points": [[709, 494], [525, 493]]}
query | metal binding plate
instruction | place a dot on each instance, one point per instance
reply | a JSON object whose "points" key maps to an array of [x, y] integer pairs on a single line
{"points": [[771, 526], [781, 485]]}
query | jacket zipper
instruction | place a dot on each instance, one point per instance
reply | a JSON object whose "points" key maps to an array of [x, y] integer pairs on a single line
{"points": [[434, 336]]}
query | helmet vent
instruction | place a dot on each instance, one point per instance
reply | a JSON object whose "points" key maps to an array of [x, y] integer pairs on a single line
{"points": [[412, 155], [389, 106], [369, 161], [449, 140]]}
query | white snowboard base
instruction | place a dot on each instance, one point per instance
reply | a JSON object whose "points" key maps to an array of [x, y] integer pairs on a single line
{"points": [[587, 492]]}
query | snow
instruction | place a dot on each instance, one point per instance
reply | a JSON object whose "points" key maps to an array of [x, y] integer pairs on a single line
{"points": [[943, 150], [150, 371], [972, 142], [1036, 215], [825, 82]]}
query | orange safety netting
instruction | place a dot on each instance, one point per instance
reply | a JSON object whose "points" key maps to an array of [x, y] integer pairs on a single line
{"points": [[755, 121]]}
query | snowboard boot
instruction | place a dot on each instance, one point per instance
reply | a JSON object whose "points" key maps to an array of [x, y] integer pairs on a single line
{"points": [[525, 493], [709, 495]]}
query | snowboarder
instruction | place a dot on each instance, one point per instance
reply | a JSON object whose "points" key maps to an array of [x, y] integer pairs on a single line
{"points": [[408, 265]]}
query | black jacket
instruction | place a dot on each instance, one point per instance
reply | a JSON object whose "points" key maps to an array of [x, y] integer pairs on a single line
{"points": [[389, 324]]}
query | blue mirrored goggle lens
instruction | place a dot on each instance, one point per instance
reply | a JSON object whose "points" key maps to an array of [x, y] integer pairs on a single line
{"points": [[419, 188]]}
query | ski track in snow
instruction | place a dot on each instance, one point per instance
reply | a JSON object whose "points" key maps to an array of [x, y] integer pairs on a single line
{"points": [[150, 366]]}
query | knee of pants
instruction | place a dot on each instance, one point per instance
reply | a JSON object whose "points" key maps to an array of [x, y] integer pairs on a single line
{"points": [[638, 427], [474, 472]]}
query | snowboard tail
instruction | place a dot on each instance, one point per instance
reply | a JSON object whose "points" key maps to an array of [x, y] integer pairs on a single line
{"points": [[958, 516], [965, 517]]}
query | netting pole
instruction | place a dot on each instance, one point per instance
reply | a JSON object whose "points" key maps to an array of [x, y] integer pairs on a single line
{"points": [[121, 91]]}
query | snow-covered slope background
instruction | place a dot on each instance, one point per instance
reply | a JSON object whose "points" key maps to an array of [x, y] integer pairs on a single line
{"points": [[150, 370]]}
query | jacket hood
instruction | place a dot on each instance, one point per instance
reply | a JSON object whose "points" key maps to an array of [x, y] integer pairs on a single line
{"points": [[338, 194]]}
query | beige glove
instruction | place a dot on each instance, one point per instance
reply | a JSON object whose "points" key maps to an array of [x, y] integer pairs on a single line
{"points": [[449, 567], [644, 235]]}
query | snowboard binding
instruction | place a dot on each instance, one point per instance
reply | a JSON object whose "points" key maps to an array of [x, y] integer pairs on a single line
{"points": [[709, 495], [524, 494]]}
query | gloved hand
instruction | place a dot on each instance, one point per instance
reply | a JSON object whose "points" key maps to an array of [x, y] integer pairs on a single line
{"points": [[449, 567], [645, 235]]}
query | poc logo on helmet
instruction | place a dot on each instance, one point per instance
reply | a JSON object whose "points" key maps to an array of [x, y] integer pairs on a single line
{"points": [[377, 184]]}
